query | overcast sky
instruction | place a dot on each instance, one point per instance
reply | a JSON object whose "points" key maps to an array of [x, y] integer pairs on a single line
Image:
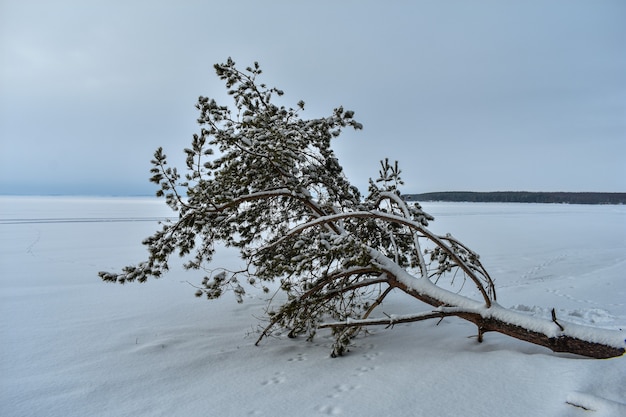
{"points": [[467, 95]]}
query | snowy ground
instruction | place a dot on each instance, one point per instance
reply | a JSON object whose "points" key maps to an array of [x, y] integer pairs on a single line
{"points": [[74, 346]]}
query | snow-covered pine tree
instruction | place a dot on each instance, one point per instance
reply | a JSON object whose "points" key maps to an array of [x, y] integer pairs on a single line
{"points": [[262, 179]]}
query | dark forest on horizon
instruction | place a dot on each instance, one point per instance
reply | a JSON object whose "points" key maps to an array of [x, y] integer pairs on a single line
{"points": [[521, 197]]}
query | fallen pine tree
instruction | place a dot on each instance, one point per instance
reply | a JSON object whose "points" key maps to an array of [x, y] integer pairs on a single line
{"points": [[276, 192]]}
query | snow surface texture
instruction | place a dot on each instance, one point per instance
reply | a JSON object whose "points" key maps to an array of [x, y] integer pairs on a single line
{"points": [[75, 346]]}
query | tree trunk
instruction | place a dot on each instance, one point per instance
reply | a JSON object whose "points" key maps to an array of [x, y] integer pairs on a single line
{"points": [[560, 343], [564, 337]]}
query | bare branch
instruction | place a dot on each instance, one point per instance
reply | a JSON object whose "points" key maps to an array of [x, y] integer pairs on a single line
{"points": [[389, 320]]}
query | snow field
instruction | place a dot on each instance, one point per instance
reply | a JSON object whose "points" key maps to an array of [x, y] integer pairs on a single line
{"points": [[75, 346]]}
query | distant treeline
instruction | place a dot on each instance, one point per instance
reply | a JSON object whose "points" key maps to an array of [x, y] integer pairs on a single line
{"points": [[521, 197]]}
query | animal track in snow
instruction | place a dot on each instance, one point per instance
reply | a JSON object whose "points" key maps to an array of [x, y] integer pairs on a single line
{"points": [[361, 370], [561, 293], [535, 273], [343, 388], [278, 378], [30, 247], [371, 356], [328, 410], [339, 390], [300, 357]]}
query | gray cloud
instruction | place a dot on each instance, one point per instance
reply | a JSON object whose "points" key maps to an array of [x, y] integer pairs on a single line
{"points": [[481, 95]]}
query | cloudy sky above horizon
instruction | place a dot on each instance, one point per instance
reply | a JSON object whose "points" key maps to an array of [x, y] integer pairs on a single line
{"points": [[467, 95]]}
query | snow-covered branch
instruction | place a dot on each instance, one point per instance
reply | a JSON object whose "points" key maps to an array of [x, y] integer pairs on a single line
{"points": [[278, 194]]}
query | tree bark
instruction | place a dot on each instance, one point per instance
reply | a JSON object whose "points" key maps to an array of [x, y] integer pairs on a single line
{"points": [[560, 343]]}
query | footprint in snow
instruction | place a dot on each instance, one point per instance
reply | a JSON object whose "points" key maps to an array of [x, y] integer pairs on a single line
{"points": [[278, 378], [300, 357], [371, 356], [328, 410], [341, 389], [362, 370]]}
